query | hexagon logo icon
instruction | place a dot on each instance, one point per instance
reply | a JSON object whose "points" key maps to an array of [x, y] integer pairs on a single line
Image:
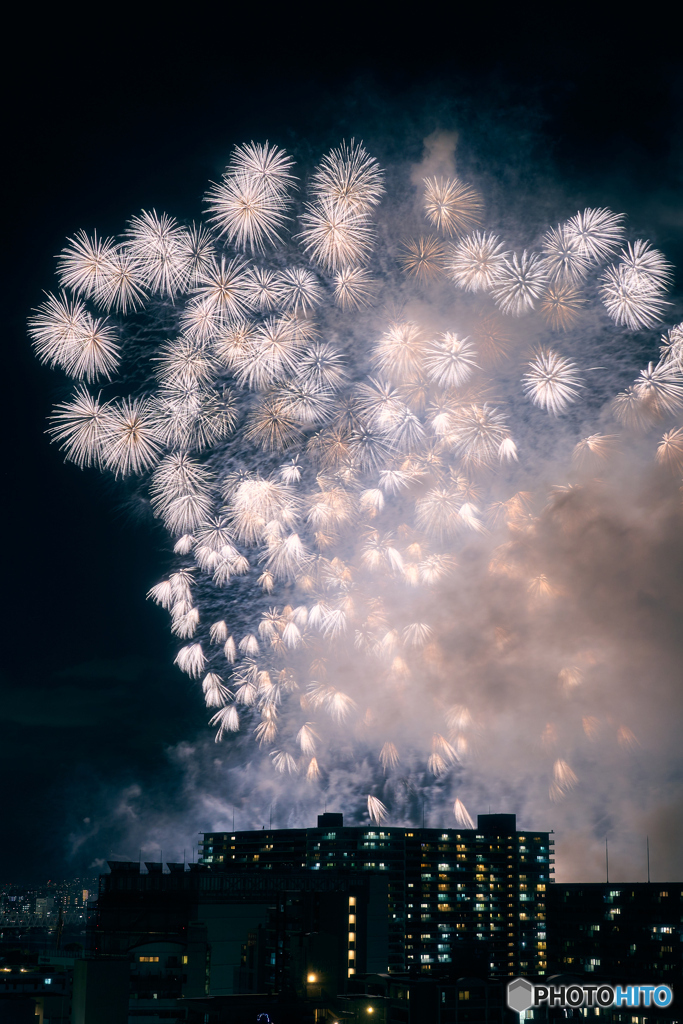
{"points": [[520, 995]]}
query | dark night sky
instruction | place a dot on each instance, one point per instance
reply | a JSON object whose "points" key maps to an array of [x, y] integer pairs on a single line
{"points": [[104, 120]]}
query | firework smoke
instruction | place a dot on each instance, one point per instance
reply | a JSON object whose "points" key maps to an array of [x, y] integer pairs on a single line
{"points": [[388, 559]]}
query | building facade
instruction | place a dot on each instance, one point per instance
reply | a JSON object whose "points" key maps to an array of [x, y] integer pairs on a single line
{"points": [[629, 930], [203, 933], [472, 899]]}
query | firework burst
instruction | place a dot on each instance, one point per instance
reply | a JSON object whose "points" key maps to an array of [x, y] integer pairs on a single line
{"points": [[314, 427], [452, 206]]}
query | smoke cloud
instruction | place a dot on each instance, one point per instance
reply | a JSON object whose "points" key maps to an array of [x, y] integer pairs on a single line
{"points": [[450, 592]]}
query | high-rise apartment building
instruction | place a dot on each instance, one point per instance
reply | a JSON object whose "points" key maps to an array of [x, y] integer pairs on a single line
{"points": [[626, 930], [456, 896]]}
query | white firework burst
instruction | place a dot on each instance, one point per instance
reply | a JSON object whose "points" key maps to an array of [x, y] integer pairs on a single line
{"points": [[261, 289], [246, 212], [451, 205], [376, 810], [519, 283], [348, 177], [474, 262], [353, 287], [552, 381], [85, 263], [629, 303], [660, 388], [130, 443], [123, 285], [565, 257], [400, 351], [670, 450], [154, 241], [450, 360], [264, 165], [298, 289], [336, 237], [599, 232], [79, 426], [224, 287], [56, 328], [477, 433], [645, 267], [191, 659]]}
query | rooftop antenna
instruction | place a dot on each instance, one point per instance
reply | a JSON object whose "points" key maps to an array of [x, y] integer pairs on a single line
{"points": [[648, 859], [233, 817], [423, 812], [270, 824], [606, 859]]}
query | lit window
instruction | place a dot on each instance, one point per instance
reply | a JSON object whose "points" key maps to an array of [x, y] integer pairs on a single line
{"points": [[149, 959]]}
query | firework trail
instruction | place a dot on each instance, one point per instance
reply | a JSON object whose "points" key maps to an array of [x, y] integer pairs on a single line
{"points": [[318, 430]]}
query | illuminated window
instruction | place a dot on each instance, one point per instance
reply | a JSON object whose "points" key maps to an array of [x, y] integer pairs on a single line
{"points": [[463, 996], [149, 959]]}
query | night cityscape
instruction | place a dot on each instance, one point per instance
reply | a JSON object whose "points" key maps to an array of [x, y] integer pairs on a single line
{"points": [[335, 922], [344, 519]]}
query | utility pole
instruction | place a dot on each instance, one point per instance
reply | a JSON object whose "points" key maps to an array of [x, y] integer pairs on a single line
{"points": [[648, 859], [606, 859]]}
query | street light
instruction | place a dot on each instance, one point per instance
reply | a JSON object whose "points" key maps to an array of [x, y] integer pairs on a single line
{"points": [[311, 979]]}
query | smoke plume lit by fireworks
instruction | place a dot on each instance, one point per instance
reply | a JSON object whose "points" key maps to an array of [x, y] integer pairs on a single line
{"points": [[416, 475]]}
